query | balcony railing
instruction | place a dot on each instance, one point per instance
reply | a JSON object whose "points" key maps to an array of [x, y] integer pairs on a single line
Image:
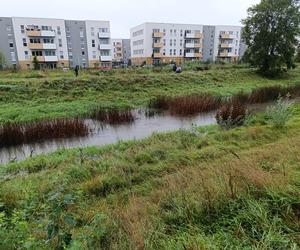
{"points": [[40, 33], [51, 58], [106, 58], [158, 45], [194, 35], [193, 55], [157, 55], [39, 46], [105, 47], [226, 54], [104, 35], [39, 58], [226, 46], [227, 36], [193, 45], [158, 34]]}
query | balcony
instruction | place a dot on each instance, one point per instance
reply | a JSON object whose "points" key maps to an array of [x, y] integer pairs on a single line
{"points": [[39, 46], [39, 58], [193, 45], [226, 54], [227, 36], [193, 55], [48, 33], [104, 35], [51, 58], [226, 46], [49, 46], [158, 34], [195, 35], [158, 45], [33, 33], [35, 46], [106, 58], [157, 55], [105, 47], [39, 33]]}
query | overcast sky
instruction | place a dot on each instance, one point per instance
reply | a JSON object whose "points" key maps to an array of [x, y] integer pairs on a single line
{"points": [[124, 14]]}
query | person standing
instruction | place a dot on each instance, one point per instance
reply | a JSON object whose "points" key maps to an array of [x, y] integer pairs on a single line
{"points": [[76, 70]]}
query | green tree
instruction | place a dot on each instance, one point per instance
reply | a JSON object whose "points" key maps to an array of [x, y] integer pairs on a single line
{"points": [[35, 62], [298, 54], [2, 61], [270, 32]]}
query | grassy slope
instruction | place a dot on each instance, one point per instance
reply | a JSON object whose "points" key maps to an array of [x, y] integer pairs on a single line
{"points": [[183, 190], [28, 96]]}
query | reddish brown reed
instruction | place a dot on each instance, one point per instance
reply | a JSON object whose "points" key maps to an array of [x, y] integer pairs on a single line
{"points": [[187, 105], [114, 116], [15, 134], [231, 114]]}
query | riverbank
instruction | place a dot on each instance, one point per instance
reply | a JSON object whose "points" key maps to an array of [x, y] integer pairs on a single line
{"points": [[203, 187], [31, 96]]}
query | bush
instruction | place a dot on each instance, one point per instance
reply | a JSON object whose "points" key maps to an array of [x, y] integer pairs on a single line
{"points": [[280, 113], [232, 114]]}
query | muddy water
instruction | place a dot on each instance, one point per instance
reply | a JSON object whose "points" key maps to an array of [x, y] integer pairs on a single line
{"points": [[103, 134]]}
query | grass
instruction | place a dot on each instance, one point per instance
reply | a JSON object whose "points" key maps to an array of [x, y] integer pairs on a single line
{"points": [[210, 189], [31, 96]]}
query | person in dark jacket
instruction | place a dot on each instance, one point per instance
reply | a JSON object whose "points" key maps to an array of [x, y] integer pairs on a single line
{"points": [[174, 67], [76, 70]]}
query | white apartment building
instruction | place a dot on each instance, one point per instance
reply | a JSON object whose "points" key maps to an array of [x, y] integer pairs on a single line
{"points": [[155, 43], [121, 51], [222, 43], [55, 42]]}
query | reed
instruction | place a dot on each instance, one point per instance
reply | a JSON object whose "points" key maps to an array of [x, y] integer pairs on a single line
{"points": [[14, 134], [114, 116]]}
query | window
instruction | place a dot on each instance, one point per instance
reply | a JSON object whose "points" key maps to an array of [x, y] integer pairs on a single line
{"points": [[59, 42], [22, 29], [93, 44], [180, 52], [37, 53], [164, 42], [104, 52], [11, 44], [174, 52], [94, 55], [138, 52], [61, 54], [174, 42], [35, 40], [164, 52], [171, 42], [58, 30], [138, 42], [81, 32], [24, 42], [104, 41], [104, 30], [170, 52], [92, 31], [156, 30], [82, 53], [48, 40], [13, 56], [26, 54], [49, 52], [138, 33]]}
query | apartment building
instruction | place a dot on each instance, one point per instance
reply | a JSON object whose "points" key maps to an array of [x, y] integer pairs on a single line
{"points": [[55, 42], [156, 43], [222, 43], [121, 51]]}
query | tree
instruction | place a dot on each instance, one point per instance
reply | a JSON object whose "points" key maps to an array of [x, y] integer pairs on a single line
{"points": [[35, 62], [298, 54], [270, 32], [2, 61]]}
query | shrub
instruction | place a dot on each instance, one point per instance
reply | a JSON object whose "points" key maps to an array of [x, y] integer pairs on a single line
{"points": [[232, 114], [280, 113]]}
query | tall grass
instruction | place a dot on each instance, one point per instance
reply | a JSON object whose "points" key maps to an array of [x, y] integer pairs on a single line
{"points": [[15, 134], [114, 116]]}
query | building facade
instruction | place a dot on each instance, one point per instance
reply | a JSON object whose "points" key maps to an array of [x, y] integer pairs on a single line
{"points": [[156, 43], [222, 43], [121, 52], [54, 43]]}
